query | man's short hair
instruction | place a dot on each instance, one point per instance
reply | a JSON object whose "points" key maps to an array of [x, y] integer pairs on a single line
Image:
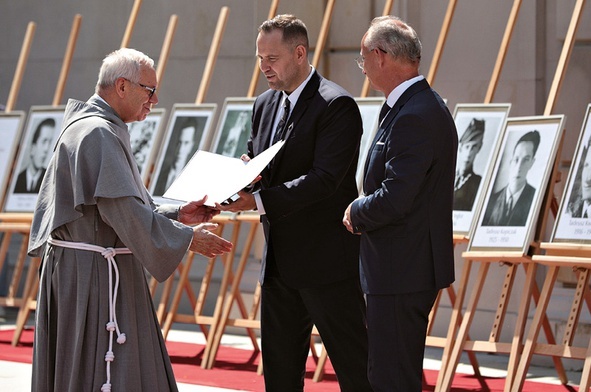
{"points": [[294, 30], [123, 63], [531, 136], [394, 36], [48, 122]]}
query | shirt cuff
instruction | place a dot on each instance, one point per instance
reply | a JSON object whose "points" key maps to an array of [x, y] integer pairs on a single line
{"points": [[259, 201]]}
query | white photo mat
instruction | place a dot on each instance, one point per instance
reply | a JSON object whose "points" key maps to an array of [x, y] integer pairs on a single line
{"points": [[178, 144], [494, 117], [571, 225], [234, 127], [145, 137], [517, 237], [17, 201]]}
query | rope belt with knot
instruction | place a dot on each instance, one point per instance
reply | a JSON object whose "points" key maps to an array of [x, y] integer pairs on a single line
{"points": [[112, 326]]}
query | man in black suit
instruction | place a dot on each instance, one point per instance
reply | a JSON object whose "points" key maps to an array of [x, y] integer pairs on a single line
{"points": [[405, 215], [310, 271], [29, 180], [510, 206]]}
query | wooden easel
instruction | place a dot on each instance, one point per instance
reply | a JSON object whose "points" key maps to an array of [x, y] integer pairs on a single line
{"points": [[197, 316], [449, 14], [511, 260], [559, 255], [164, 317], [249, 319], [455, 318], [168, 316]]}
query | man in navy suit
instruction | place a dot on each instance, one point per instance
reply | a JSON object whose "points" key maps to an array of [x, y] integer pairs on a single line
{"points": [[310, 271], [405, 215]]}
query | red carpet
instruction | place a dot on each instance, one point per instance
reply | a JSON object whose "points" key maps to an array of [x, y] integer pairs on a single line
{"points": [[236, 369]]}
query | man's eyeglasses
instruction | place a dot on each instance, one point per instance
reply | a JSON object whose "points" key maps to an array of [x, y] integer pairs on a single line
{"points": [[361, 59], [151, 90]]}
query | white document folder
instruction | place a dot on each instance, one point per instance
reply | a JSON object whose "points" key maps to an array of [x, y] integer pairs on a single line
{"points": [[218, 176]]}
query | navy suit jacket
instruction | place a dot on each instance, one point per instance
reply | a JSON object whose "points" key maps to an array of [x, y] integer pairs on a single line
{"points": [[405, 220], [310, 183]]}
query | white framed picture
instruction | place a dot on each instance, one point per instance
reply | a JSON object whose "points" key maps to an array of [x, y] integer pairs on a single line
{"points": [[234, 127], [573, 223], [145, 137], [42, 130], [480, 128], [187, 131], [518, 184]]}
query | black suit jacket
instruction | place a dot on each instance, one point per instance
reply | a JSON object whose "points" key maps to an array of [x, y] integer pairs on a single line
{"points": [[406, 219], [309, 183]]}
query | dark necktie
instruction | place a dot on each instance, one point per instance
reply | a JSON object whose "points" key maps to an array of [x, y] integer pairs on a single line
{"points": [[508, 207], [384, 111], [279, 132]]}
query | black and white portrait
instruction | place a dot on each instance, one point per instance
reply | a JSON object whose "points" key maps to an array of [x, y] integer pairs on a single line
{"points": [[187, 131], [511, 202], [574, 217], [519, 182], [44, 125], [233, 128], [143, 136], [184, 141], [480, 128], [235, 134]]}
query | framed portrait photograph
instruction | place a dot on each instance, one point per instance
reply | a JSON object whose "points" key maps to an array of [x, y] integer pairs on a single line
{"points": [[187, 131], [573, 223], [518, 184], [144, 137], [480, 127], [42, 130], [370, 113], [11, 125], [234, 126]]}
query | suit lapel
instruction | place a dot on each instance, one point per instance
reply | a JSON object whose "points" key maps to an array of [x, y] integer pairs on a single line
{"points": [[404, 98], [268, 121], [296, 115]]}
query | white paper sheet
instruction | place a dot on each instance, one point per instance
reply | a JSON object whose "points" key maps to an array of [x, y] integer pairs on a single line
{"points": [[218, 176]]}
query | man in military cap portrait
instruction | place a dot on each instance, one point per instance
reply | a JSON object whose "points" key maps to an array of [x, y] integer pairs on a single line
{"points": [[467, 182]]}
